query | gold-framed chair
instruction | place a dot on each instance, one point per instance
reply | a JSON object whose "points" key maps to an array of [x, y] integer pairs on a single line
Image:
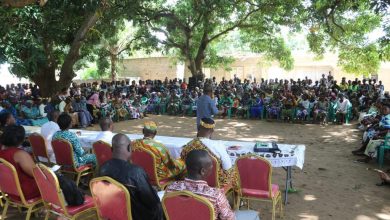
{"points": [[12, 191], [187, 205], [63, 152], [147, 160], [39, 147], [254, 176], [54, 199], [111, 198], [103, 152]]}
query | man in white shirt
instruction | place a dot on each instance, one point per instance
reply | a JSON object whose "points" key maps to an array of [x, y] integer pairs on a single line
{"points": [[107, 126], [342, 108], [47, 131]]}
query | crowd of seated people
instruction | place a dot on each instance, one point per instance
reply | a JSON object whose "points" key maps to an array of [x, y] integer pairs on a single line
{"points": [[375, 124], [322, 101]]}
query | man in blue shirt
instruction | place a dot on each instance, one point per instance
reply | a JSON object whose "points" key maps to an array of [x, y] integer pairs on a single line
{"points": [[205, 106]]}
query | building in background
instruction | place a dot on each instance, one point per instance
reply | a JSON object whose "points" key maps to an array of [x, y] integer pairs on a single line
{"points": [[249, 67]]}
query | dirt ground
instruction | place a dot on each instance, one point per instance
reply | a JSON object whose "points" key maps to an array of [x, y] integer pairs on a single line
{"points": [[330, 186]]}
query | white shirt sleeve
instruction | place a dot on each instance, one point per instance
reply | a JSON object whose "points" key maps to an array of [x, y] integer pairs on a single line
{"points": [[61, 106]]}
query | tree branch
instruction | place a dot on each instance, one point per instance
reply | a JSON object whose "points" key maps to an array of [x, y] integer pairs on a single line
{"points": [[21, 3], [74, 52]]}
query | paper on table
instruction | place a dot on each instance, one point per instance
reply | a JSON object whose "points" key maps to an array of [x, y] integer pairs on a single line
{"points": [[55, 168], [161, 194]]}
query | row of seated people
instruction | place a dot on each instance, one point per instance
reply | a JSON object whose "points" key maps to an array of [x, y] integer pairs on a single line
{"points": [[165, 165], [375, 124]]}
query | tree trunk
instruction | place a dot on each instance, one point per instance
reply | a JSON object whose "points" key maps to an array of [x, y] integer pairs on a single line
{"points": [[46, 80], [114, 61], [46, 76]]}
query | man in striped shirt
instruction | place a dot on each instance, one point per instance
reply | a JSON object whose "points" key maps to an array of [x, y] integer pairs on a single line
{"points": [[199, 166]]}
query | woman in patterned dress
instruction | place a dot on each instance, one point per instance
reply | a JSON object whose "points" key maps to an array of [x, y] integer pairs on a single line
{"points": [[64, 121]]}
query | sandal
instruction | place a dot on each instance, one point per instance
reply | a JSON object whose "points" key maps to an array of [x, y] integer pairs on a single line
{"points": [[383, 183]]}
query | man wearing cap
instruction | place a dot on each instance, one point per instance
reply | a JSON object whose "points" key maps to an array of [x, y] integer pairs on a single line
{"points": [[166, 166], [215, 148]]}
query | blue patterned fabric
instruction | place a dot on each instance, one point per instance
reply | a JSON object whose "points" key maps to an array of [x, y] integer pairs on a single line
{"points": [[80, 156], [385, 122]]}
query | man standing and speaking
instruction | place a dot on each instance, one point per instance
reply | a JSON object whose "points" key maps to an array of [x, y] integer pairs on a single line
{"points": [[206, 106]]}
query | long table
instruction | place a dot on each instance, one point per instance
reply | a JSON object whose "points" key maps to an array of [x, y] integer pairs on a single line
{"points": [[291, 155]]}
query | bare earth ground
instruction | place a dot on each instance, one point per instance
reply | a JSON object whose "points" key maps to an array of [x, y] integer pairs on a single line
{"points": [[331, 185]]}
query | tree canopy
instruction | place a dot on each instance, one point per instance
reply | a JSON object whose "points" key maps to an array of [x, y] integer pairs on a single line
{"points": [[47, 43]]}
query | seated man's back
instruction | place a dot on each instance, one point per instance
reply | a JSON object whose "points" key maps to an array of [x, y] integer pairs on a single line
{"points": [[145, 203]]}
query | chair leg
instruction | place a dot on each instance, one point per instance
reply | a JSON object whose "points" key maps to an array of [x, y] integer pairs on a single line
{"points": [[47, 214], [381, 155], [273, 208], [78, 179], [5, 209], [29, 211]]}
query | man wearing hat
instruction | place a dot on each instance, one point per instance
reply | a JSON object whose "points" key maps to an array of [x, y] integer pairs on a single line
{"points": [[166, 166], [215, 148]]}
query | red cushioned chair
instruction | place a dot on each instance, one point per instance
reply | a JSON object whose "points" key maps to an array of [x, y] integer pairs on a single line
{"points": [[63, 152], [213, 180], [10, 186], [54, 199], [112, 199], [254, 182], [103, 152], [186, 205], [146, 159], [39, 147]]}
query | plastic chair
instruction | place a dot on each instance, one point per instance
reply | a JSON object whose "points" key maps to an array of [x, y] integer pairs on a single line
{"points": [[254, 182], [63, 152], [39, 147], [146, 159], [382, 149], [10, 185], [54, 199], [112, 199], [103, 152], [186, 205], [348, 116]]}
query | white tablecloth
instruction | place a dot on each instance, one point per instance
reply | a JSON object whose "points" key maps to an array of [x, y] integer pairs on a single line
{"points": [[292, 155]]}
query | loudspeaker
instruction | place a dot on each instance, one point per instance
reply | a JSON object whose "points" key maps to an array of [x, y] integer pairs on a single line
{"points": [[192, 83]]}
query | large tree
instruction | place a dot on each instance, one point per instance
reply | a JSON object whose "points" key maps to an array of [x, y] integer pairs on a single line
{"points": [[48, 44], [189, 27], [350, 29]]}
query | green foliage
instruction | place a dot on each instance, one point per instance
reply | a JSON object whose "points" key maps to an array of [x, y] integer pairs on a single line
{"points": [[59, 38], [93, 73], [189, 27], [346, 27]]}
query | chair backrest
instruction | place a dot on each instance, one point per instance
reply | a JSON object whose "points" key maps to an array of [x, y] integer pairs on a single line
{"points": [[254, 172], [103, 152], [111, 198], [63, 152], [186, 205], [38, 145], [145, 159], [49, 187], [212, 179], [9, 181]]}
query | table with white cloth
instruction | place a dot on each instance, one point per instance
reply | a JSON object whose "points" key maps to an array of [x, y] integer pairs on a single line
{"points": [[291, 155]]}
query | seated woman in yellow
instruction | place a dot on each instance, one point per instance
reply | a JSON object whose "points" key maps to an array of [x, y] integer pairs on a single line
{"points": [[167, 167], [215, 149]]}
